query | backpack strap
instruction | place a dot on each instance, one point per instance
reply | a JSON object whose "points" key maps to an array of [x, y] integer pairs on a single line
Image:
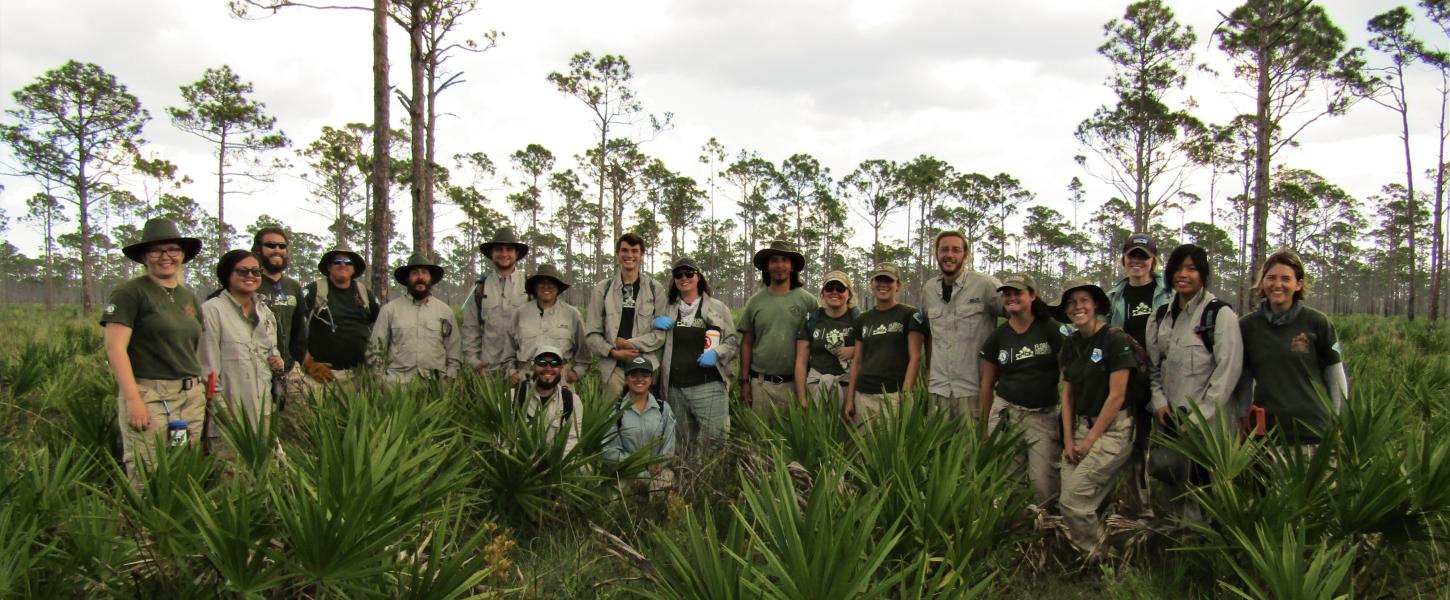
{"points": [[568, 397], [1206, 322], [1160, 314], [479, 293]]}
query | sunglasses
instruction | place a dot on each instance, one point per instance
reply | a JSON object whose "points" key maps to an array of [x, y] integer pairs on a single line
{"points": [[834, 288], [548, 362], [685, 274], [342, 261], [254, 272], [275, 245]]}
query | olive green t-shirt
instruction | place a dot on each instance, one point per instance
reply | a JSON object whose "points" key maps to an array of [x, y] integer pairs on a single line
{"points": [[827, 335], [1288, 364], [165, 328], [774, 320], [1027, 369], [1087, 364], [880, 337]]}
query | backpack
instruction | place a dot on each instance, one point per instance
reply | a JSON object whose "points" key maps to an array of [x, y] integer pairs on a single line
{"points": [[1206, 320], [478, 295], [521, 398], [319, 300]]}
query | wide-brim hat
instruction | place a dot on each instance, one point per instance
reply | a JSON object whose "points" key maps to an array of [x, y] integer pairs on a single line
{"points": [[157, 231], [505, 236], [358, 264], [782, 248], [1100, 299], [546, 271], [415, 261]]}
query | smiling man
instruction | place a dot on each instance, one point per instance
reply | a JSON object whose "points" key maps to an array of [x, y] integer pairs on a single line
{"points": [[283, 296], [617, 324], [488, 314], [768, 328], [416, 335], [340, 315], [961, 309]]}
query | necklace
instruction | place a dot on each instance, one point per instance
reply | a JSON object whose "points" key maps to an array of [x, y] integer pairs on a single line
{"points": [[170, 293]]}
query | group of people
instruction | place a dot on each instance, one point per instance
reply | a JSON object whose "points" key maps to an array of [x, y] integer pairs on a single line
{"points": [[1085, 379]]}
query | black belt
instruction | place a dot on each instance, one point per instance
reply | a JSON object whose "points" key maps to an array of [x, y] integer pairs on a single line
{"points": [[772, 378]]}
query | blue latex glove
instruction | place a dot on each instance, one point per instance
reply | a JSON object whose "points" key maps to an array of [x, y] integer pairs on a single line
{"points": [[708, 358], [664, 322]]}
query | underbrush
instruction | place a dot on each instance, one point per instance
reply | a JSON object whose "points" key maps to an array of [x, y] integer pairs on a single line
{"points": [[443, 491]]}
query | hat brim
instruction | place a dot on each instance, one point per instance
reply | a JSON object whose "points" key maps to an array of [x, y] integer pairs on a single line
{"points": [[1151, 251], [190, 247], [1013, 286], [651, 371], [400, 274], [1100, 299], [534, 280], [486, 248], [359, 266], [762, 258]]}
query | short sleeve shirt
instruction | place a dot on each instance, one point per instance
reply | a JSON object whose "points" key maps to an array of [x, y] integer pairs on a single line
{"points": [[1139, 302], [629, 298], [165, 328], [774, 320], [1087, 364], [1027, 369], [881, 337], [828, 335], [1288, 363]]}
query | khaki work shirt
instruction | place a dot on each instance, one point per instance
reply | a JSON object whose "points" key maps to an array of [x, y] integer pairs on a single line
{"points": [[560, 326], [486, 341], [411, 339], [236, 349], [957, 330]]}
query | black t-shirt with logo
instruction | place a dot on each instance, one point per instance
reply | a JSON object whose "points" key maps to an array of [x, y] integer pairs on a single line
{"points": [[1027, 368], [880, 337], [689, 343], [1088, 364], [1139, 302], [629, 293], [828, 335]]}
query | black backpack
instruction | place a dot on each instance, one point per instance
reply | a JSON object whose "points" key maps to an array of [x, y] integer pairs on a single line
{"points": [[1206, 320]]}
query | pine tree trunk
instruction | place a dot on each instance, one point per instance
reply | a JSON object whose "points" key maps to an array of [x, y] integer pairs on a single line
{"points": [[378, 228], [422, 209]]}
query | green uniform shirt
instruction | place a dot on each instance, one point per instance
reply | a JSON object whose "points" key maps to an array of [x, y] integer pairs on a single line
{"points": [[1088, 363], [1288, 364], [829, 335], [165, 328], [1026, 363], [774, 320], [284, 298], [339, 334], [880, 337]]}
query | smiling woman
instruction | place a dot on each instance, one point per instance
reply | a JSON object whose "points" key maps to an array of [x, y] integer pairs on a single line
{"points": [[238, 347]]}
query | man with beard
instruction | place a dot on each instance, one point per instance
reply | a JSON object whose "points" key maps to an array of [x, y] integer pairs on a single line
{"points": [[415, 334], [619, 324], [541, 396], [768, 328], [283, 295], [488, 313], [961, 309], [340, 315]]}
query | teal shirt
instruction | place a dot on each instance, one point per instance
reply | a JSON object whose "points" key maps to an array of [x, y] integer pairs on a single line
{"points": [[635, 429]]}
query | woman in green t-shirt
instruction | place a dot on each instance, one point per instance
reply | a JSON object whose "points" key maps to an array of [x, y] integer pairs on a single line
{"points": [[1097, 431], [822, 355], [1019, 381], [1291, 354], [153, 327], [888, 341]]}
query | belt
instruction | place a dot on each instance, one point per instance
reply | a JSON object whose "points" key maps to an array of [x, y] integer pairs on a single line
{"points": [[186, 383], [772, 378]]}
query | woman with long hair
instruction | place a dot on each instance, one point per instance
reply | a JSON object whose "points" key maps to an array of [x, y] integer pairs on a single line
{"points": [[238, 347]]}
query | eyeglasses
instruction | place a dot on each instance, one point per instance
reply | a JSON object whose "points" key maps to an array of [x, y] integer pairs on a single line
{"points": [[548, 361], [275, 245], [342, 261], [685, 274], [173, 252], [834, 288], [254, 272]]}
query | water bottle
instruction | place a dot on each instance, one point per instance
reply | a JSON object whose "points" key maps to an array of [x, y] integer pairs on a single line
{"points": [[176, 433]]}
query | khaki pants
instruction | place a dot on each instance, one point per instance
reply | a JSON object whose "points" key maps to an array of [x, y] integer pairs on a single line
{"points": [[870, 406], [764, 395], [826, 388], [165, 400], [1042, 430], [612, 387], [1086, 484], [300, 384], [958, 406]]}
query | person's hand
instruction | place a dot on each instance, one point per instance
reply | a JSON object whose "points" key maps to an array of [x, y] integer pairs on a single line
{"points": [[850, 408], [1162, 415], [318, 371], [844, 353], [622, 343], [745, 392], [1082, 448], [276, 362], [623, 353], [480, 367], [708, 358], [136, 415], [1069, 451], [655, 469], [516, 377], [664, 322]]}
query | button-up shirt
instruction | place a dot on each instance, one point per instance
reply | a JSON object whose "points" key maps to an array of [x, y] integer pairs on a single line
{"points": [[412, 338], [958, 329], [560, 326], [634, 429], [551, 409], [486, 337], [236, 348]]}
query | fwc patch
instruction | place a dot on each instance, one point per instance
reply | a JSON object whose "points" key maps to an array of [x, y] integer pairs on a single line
{"points": [[1097, 355]]}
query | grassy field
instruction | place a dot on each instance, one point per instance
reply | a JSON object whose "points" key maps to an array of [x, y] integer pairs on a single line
{"points": [[442, 492]]}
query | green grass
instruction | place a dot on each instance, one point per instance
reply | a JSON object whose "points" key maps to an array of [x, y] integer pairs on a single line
{"points": [[440, 492]]}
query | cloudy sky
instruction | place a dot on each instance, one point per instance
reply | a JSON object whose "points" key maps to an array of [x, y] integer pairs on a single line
{"points": [[987, 86]]}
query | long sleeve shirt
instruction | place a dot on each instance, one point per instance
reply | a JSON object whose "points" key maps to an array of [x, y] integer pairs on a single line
{"points": [[236, 348], [635, 429], [560, 326], [957, 329], [412, 338], [488, 314]]}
